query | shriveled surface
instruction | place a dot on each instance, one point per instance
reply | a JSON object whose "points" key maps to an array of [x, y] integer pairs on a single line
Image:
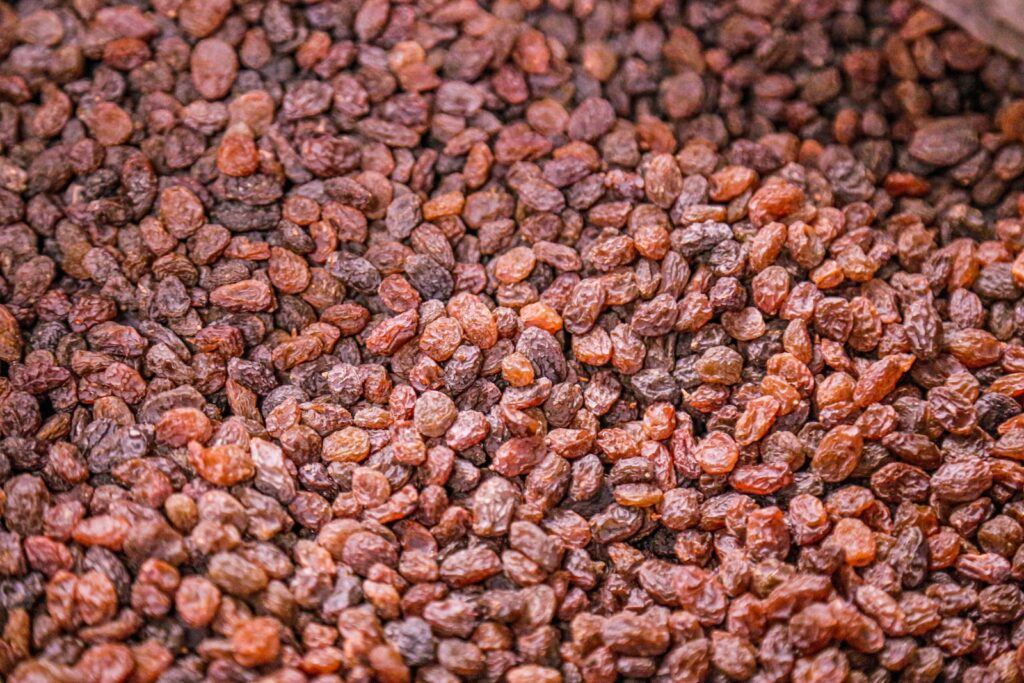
{"points": [[673, 340]]}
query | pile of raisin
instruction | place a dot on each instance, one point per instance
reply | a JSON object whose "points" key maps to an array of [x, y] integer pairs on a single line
{"points": [[525, 341]]}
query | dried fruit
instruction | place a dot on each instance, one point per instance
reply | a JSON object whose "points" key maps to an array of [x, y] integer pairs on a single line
{"points": [[485, 341]]}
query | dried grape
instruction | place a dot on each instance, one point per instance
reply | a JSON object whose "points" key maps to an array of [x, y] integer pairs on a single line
{"points": [[524, 342]]}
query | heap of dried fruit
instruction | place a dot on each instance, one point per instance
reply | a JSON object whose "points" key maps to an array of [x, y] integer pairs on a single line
{"points": [[607, 340]]}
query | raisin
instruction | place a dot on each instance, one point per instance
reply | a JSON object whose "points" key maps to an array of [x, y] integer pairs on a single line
{"points": [[428, 347]]}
